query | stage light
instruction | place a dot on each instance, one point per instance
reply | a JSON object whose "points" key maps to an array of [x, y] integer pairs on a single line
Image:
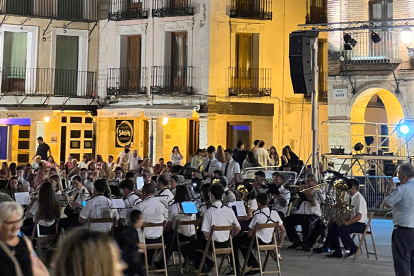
{"points": [[375, 37], [358, 146], [404, 129], [347, 47], [165, 121], [350, 43], [347, 38], [407, 36], [46, 119]]}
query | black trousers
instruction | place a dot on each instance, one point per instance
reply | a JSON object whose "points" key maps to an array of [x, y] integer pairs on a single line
{"points": [[240, 243], [306, 221], [190, 250], [172, 245], [344, 233], [150, 253], [319, 226], [403, 251]]}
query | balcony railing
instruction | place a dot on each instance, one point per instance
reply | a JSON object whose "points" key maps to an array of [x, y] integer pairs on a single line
{"points": [[317, 11], [70, 10], [47, 82], [128, 9], [366, 51], [172, 80], [251, 9], [170, 8], [250, 82], [126, 81]]}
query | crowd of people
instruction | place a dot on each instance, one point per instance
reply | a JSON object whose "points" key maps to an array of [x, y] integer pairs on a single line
{"points": [[67, 198]]}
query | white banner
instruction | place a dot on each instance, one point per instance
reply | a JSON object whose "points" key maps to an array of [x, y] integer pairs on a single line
{"points": [[119, 113], [170, 113]]}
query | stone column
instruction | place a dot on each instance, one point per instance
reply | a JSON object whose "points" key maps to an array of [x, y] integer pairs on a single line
{"points": [[203, 139]]}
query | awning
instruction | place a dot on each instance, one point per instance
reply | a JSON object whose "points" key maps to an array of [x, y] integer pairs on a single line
{"points": [[119, 112], [160, 111], [21, 113], [16, 122]]}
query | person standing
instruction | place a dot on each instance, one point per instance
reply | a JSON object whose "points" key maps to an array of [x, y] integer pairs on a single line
{"points": [[210, 164], [176, 157], [122, 154], [239, 153], [401, 200], [230, 167], [43, 149], [261, 154], [133, 161]]}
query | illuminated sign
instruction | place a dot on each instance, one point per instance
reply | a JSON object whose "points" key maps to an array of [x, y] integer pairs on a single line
{"points": [[124, 132]]}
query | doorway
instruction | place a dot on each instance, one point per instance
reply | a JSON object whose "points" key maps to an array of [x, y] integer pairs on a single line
{"points": [[238, 131], [66, 67]]}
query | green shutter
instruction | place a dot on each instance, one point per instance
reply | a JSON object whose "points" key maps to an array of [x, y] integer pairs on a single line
{"points": [[66, 73], [14, 55]]}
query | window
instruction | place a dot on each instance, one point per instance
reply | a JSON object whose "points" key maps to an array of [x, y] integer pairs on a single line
{"points": [[24, 134], [64, 119], [88, 120], [75, 144], [23, 145], [88, 134], [75, 134], [179, 59], [76, 120], [87, 144], [380, 10], [238, 131]]}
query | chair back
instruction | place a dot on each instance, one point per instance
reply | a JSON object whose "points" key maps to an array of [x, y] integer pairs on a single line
{"points": [[104, 220], [151, 224]]}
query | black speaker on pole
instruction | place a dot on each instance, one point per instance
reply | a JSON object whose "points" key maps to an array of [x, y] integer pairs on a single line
{"points": [[300, 57]]}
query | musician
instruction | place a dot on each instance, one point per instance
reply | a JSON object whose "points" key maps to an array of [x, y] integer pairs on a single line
{"points": [[20, 176], [217, 215], [263, 216], [87, 182], [126, 188], [119, 174], [356, 224], [230, 167], [308, 212], [99, 207], [210, 164], [162, 186], [14, 186], [228, 195], [401, 200], [173, 184], [282, 195], [146, 175], [196, 174], [260, 184]]}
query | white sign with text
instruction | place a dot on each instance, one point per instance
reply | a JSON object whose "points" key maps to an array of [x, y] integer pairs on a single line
{"points": [[340, 94]]}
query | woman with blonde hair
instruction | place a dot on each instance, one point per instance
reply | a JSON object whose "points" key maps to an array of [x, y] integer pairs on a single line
{"points": [[5, 172], [220, 154], [36, 161], [146, 165], [87, 253]]}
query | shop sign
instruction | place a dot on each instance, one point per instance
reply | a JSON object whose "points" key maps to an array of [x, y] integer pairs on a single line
{"points": [[124, 132], [169, 113], [340, 93], [53, 139], [119, 113]]}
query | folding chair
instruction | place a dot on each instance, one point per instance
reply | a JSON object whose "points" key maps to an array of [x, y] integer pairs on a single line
{"points": [[266, 247], [217, 251], [176, 237], [104, 220], [362, 238], [155, 246], [45, 242]]}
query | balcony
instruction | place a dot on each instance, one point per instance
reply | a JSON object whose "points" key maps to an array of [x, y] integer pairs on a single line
{"points": [[251, 9], [46, 82], [171, 8], [366, 51], [249, 82], [172, 80], [69, 10], [317, 11], [128, 9], [126, 81]]}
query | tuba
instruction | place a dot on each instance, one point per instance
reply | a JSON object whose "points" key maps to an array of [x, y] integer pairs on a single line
{"points": [[342, 210]]}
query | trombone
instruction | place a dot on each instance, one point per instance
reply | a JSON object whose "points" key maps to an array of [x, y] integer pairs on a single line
{"points": [[314, 187]]}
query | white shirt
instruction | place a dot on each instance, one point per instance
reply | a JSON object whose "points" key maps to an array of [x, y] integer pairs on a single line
{"points": [[246, 164], [252, 204], [219, 215], [284, 194], [25, 183], [82, 165], [232, 168], [265, 216], [228, 196], [153, 211], [44, 222], [97, 208], [176, 159], [80, 196], [133, 162], [167, 193], [262, 156], [122, 154], [129, 202], [358, 206], [89, 185], [196, 162], [175, 213], [306, 207], [214, 166]]}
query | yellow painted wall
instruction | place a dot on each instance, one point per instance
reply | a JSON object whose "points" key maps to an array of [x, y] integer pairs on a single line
{"points": [[175, 133]]}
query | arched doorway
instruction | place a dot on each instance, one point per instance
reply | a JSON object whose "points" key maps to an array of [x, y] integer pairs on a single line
{"points": [[376, 112]]}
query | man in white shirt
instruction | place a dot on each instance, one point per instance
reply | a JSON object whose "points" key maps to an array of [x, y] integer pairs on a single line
{"points": [[228, 195], [263, 216], [83, 173], [308, 212], [20, 174], [130, 200], [163, 191], [261, 154], [217, 215], [99, 207], [230, 167], [122, 154], [282, 195], [133, 161], [210, 164]]}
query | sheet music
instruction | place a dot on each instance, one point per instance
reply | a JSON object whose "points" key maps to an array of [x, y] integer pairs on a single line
{"points": [[118, 204], [22, 198], [241, 210]]}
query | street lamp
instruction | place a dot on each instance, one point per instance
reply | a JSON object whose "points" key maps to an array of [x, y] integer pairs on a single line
{"points": [[407, 36]]}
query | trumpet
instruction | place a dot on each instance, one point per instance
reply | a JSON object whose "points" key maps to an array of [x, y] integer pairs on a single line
{"points": [[314, 187]]}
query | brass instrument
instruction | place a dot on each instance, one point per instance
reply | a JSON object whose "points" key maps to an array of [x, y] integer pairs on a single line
{"points": [[314, 187], [342, 210], [244, 191]]}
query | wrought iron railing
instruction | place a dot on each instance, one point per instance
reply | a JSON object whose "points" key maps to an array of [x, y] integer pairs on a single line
{"points": [[128, 9], [250, 82], [126, 81], [253, 9], [71, 10], [47, 82], [366, 51], [170, 8], [317, 11], [172, 80]]}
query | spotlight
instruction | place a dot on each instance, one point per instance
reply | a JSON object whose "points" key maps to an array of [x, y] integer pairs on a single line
{"points": [[358, 146], [46, 119], [375, 37], [165, 121], [407, 36], [404, 129], [347, 38], [350, 43]]}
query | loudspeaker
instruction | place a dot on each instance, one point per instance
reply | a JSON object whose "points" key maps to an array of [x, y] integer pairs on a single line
{"points": [[300, 58]]}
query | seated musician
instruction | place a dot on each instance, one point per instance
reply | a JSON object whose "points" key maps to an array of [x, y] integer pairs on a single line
{"points": [[98, 207], [228, 195], [217, 215], [282, 196], [308, 212], [162, 187], [20, 176], [262, 216], [260, 182], [126, 188], [87, 182], [15, 186], [356, 224], [119, 175], [173, 184]]}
